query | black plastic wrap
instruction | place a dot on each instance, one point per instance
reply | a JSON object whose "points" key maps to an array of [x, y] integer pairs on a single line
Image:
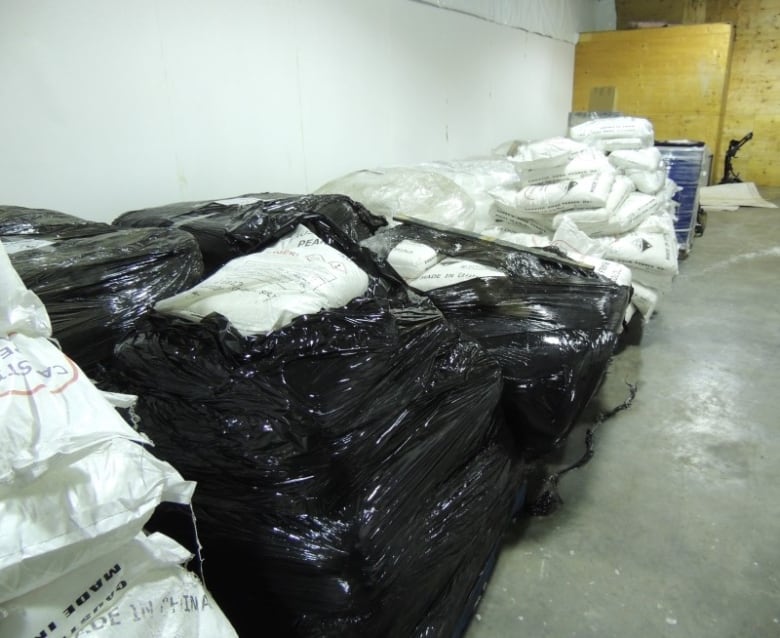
{"points": [[353, 468], [240, 225], [551, 324], [96, 287], [31, 222]]}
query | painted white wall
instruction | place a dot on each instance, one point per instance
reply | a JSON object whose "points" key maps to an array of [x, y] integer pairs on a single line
{"points": [[110, 106]]}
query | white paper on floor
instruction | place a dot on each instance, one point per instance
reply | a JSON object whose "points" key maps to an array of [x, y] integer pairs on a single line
{"points": [[732, 196]]}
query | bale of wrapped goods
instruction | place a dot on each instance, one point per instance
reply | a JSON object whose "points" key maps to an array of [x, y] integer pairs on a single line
{"points": [[40, 224], [236, 226], [551, 323], [94, 279], [351, 457]]}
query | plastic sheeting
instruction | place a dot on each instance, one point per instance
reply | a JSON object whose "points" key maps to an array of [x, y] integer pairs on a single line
{"points": [[235, 226], [476, 176], [557, 19], [352, 466], [19, 220], [552, 325], [410, 191], [94, 279]]}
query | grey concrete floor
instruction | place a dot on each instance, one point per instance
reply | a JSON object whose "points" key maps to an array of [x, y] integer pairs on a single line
{"points": [[673, 528]]}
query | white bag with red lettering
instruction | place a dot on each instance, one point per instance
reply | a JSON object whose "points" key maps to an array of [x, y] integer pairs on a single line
{"points": [[75, 481], [48, 406]]}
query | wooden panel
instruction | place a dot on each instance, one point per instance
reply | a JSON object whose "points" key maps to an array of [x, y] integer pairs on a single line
{"points": [[722, 11], [676, 77], [630, 12], [753, 98], [753, 102]]}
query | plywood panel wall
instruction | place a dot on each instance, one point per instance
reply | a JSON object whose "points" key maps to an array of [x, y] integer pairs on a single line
{"points": [[753, 102], [630, 12], [676, 77]]}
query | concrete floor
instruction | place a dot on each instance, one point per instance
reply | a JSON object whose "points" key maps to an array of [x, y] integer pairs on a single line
{"points": [[673, 528]]}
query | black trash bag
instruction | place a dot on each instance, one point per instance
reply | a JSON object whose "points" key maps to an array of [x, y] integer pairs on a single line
{"points": [[550, 323], [95, 287], [353, 470], [241, 225], [49, 224]]}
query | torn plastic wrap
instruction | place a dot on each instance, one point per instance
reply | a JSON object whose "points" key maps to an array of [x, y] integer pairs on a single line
{"points": [[228, 228], [96, 286], [352, 465], [551, 324]]}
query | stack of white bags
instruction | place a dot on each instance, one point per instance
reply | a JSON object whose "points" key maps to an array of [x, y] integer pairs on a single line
{"points": [[601, 195], [77, 487], [602, 192]]}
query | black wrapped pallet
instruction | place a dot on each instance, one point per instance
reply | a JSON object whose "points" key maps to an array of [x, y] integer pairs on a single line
{"points": [[354, 473], [240, 225], [96, 280], [32, 223], [551, 324]]}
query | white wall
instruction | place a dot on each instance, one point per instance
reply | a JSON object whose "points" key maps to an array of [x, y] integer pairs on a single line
{"points": [[107, 106], [557, 19]]}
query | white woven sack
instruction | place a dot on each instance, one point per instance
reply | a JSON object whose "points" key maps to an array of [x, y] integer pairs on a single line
{"points": [[645, 299], [85, 505], [614, 133], [592, 220], [518, 221], [476, 177], [650, 182], [631, 213], [48, 407], [644, 159], [550, 199], [20, 309], [407, 191], [261, 292], [524, 240], [139, 590], [545, 153], [411, 259], [570, 238], [652, 257], [588, 161], [451, 271], [582, 249]]}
